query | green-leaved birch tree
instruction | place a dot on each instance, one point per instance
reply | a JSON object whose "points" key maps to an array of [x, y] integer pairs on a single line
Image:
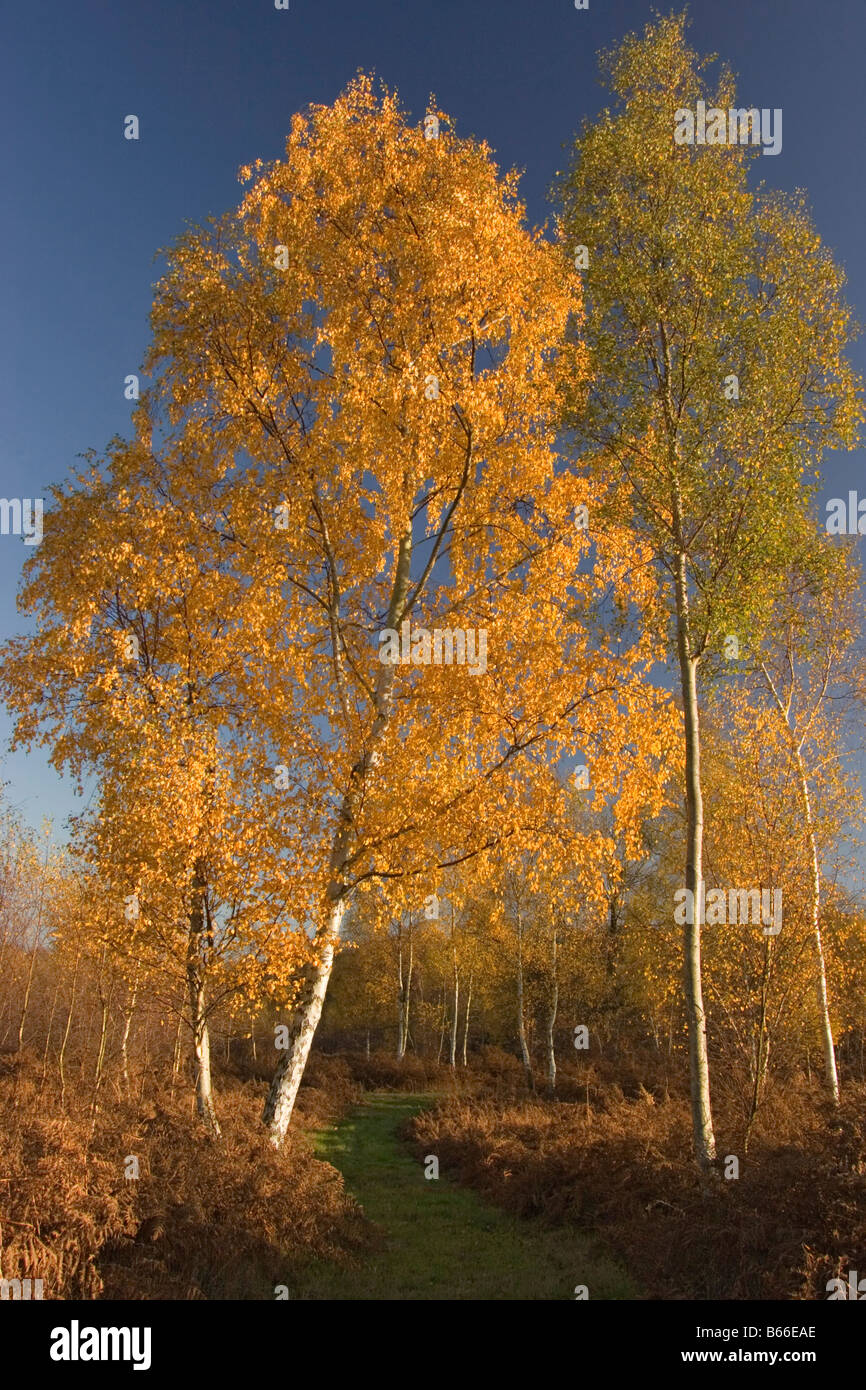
{"points": [[717, 335]]}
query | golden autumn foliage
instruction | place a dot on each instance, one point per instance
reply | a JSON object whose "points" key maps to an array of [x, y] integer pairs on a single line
{"points": [[394, 643]]}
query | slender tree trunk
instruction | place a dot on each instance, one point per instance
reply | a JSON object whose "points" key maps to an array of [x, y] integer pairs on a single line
{"points": [[452, 1057], [763, 1046], [105, 1008], [48, 1033], [103, 1034], [553, 1005], [27, 989], [401, 1040], [821, 992], [124, 1041], [407, 1001], [88, 1029], [830, 1072], [442, 1028], [175, 1064], [97, 1079], [71, 1009], [35, 949], [466, 1019], [3, 941], [521, 1022], [404, 995], [144, 1072], [702, 1118], [197, 945]]}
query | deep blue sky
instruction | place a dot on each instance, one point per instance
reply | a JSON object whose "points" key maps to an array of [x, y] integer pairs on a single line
{"points": [[215, 83]]}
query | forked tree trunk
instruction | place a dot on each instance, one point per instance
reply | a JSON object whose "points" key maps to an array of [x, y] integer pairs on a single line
{"points": [[702, 1118], [290, 1069]]}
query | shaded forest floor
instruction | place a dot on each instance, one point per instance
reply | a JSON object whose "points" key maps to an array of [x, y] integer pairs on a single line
{"points": [[438, 1240]]}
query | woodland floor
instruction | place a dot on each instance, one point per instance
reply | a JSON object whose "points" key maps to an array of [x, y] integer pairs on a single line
{"points": [[437, 1240], [534, 1196]]}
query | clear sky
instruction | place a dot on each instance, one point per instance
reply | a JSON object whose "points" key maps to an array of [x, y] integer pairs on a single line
{"points": [[214, 84]]}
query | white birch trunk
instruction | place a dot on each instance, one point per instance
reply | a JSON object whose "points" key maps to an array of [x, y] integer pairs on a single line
{"points": [[466, 1019], [702, 1119], [830, 1072], [401, 1043], [442, 1029], [404, 997], [204, 1101], [290, 1068], [195, 977], [124, 1042], [821, 991], [452, 1057], [521, 1022], [551, 1019]]}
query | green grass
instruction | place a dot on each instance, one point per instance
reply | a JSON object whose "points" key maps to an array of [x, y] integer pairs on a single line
{"points": [[441, 1241]]}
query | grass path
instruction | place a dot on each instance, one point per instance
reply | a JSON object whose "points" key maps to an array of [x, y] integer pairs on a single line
{"points": [[441, 1241]]}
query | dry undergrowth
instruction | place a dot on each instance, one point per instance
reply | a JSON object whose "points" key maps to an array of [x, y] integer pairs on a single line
{"points": [[203, 1220], [234, 1219], [620, 1164]]}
